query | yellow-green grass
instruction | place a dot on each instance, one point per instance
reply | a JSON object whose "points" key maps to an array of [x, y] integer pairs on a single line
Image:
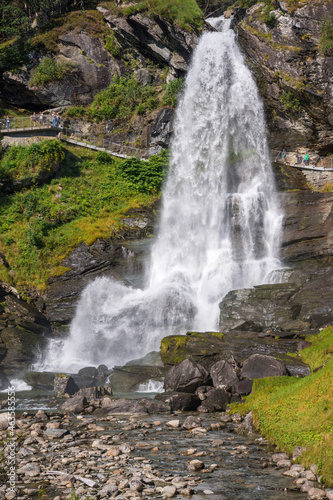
{"points": [[292, 411], [87, 200]]}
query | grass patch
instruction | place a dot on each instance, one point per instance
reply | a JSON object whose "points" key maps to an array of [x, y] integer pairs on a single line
{"points": [[42, 225], [294, 412], [328, 188], [89, 21], [184, 13]]}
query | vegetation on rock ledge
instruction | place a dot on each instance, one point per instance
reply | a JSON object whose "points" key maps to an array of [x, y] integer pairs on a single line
{"points": [[292, 411], [86, 200]]}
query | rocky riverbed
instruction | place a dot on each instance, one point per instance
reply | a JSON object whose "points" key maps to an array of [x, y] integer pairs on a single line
{"points": [[152, 456]]}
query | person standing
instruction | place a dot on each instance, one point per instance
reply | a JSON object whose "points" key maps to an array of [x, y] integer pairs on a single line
{"points": [[7, 122], [41, 119], [33, 117], [283, 154]]}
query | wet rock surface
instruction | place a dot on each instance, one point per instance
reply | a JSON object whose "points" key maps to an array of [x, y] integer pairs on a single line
{"points": [[286, 61], [147, 457], [23, 333], [108, 257]]}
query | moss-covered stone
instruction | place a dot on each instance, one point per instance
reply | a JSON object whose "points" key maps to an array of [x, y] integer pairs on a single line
{"points": [[204, 347]]}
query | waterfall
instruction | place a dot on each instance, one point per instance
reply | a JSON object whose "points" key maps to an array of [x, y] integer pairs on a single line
{"points": [[220, 221]]}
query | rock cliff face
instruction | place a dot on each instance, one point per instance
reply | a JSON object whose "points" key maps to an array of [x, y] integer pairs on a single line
{"points": [[294, 77], [139, 38], [155, 39], [303, 301], [92, 70], [23, 333]]}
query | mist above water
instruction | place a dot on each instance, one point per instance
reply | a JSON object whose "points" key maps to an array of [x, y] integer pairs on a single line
{"points": [[220, 221]]}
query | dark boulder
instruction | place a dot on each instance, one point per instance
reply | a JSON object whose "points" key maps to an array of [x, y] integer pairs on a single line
{"points": [[64, 384], [243, 387], [22, 348], [204, 348], [128, 378], [184, 401], [186, 377], [88, 371], [154, 406], [40, 380], [192, 422], [260, 366], [94, 393], [4, 382], [223, 374], [216, 400], [123, 406]]}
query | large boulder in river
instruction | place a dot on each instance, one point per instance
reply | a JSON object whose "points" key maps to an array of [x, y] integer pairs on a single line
{"points": [[186, 377], [75, 404], [202, 347], [40, 380], [129, 377], [216, 400], [64, 384], [223, 374], [260, 366]]}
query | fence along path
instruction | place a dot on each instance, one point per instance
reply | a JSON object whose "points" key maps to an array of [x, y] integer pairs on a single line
{"points": [[318, 163], [90, 141], [98, 143]]}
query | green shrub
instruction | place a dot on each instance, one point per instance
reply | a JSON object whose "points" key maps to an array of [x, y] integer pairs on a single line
{"points": [[172, 91], [75, 111], [121, 99], [111, 45], [146, 177], [86, 200], [22, 161], [326, 38], [269, 19], [50, 70], [103, 157], [289, 101]]}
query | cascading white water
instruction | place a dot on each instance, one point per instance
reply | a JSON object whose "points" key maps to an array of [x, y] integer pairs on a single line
{"points": [[219, 228]]}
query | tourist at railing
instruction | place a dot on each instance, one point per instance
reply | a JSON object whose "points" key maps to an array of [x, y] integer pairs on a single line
{"points": [[299, 157], [33, 117], [7, 121], [306, 159], [41, 119]]}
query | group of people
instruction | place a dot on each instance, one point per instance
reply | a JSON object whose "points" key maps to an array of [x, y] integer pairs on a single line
{"points": [[38, 120], [299, 157]]}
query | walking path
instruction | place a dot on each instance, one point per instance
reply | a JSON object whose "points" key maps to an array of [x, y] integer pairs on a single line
{"points": [[318, 163], [27, 126], [97, 143]]}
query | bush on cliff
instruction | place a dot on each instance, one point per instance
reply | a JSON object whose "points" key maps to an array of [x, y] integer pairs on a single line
{"points": [[292, 411], [326, 38], [50, 70], [120, 100], [87, 200], [21, 161]]}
